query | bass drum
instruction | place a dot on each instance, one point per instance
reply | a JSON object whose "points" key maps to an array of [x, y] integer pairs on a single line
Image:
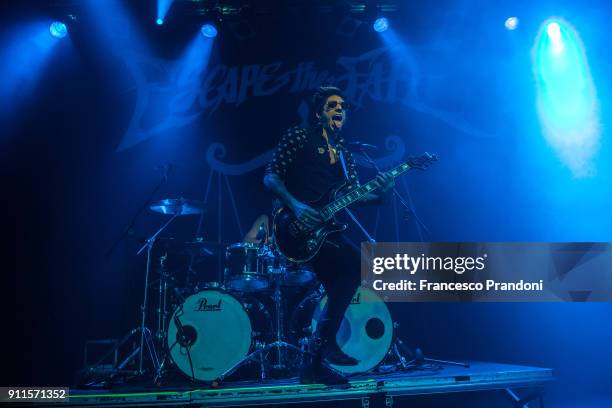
{"points": [[213, 330], [366, 332]]}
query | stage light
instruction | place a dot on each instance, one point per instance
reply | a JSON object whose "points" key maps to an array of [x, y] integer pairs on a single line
{"points": [[25, 54], [567, 99], [163, 6], [554, 31], [381, 24], [209, 31], [511, 23], [58, 29]]}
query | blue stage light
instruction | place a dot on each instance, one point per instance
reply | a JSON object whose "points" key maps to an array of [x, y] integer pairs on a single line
{"points": [[511, 23], [381, 24], [209, 30], [163, 6], [567, 98], [58, 29], [554, 31]]}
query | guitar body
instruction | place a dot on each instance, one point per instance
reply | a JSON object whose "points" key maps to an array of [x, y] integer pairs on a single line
{"points": [[297, 242]]}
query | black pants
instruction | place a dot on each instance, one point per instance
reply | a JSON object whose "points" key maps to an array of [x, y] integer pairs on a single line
{"points": [[338, 268]]}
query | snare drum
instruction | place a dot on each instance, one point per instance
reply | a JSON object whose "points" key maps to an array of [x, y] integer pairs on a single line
{"points": [[245, 270], [213, 330]]}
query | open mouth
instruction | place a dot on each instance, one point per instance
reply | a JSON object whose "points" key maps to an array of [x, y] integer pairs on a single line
{"points": [[337, 118]]}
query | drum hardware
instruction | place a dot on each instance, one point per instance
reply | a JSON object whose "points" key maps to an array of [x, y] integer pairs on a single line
{"points": [[148, 245], [245, 269], [161, 309], [100, 373], [199, 247], [419, 358], [279, 345], [418, 361], [208, 285], [176, 208]]}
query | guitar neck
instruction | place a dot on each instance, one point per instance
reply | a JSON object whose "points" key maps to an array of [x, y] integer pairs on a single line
{"points": [[332, 208]]}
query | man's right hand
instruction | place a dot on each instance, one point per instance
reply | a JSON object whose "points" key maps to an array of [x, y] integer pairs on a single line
{"points": [[306, 214]]}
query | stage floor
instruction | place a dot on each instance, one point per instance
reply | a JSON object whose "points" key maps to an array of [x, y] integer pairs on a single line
{"points": [[449, 379]]}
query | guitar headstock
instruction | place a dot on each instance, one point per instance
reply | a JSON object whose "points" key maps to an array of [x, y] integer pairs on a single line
{"points": [[422, 162]]}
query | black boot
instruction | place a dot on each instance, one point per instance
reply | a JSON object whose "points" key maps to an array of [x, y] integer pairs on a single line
{"points": [[331, 351], [314, 371], [334, 355]]}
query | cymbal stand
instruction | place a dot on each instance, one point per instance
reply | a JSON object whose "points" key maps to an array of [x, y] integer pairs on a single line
{"points": [[161, 301], [144, 331]]}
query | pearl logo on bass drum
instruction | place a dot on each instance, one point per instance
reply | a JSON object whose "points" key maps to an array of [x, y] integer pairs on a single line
{"points": [[203, 306]]}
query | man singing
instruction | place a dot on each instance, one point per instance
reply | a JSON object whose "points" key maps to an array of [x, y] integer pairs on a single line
{"points": [[306, 164]]}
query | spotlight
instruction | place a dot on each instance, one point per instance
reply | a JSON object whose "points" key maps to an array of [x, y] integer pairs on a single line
{"points": [[554, 34], [58, 29], [554, 31], [209, 30], [511, 23], [163, 6], [381, 24]]}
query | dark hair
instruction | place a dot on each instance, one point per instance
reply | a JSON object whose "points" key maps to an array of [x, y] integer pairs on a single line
{"points": [[319, 98]]}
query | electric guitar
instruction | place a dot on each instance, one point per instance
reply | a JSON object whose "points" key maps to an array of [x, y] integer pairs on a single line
{"points": [[300, 243]]}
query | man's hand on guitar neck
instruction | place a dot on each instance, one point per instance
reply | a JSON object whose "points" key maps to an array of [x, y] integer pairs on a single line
{"points": [[386, 181], [305, 213]]}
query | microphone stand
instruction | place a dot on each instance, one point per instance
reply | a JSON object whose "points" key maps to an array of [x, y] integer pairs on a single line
{"points": [[406, 205], [349, 212]]}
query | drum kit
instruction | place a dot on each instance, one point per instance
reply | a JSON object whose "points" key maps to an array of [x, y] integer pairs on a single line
{"points": [[244, 325]]}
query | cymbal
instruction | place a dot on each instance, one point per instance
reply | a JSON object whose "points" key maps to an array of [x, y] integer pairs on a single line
{"points": [[180, 206]]}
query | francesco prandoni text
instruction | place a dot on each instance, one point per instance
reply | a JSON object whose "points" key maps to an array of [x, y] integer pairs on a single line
{"points": [[459, 265], [489, 284]]}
